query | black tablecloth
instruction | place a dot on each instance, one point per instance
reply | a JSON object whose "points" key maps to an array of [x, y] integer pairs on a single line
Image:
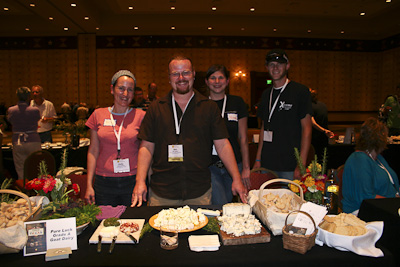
{"points": [[149, 253], [386, 210]]}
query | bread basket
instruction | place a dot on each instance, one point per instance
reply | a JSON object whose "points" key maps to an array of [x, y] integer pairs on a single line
{"points": [[20, 232], [272, 219]]}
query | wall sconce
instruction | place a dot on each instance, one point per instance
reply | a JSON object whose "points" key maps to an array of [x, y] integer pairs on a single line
{"points": [[240, 74]]}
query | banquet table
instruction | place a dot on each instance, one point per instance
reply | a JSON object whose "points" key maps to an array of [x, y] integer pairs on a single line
{"points": [[386, 210], [76, 157], [149, 253], [338, 154]]}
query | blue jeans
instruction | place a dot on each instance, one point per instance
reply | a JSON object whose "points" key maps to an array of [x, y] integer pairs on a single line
{"points": [[285, 175], [221, 184], [114, 191]]}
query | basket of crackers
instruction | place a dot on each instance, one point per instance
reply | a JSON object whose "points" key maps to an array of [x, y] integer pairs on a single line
{"points": [[13, 214], [349, 233], [296, 239], [273, 205]]}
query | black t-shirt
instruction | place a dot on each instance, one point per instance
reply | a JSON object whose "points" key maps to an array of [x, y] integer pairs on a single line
{"points": [[234, 111], [293, 105]]}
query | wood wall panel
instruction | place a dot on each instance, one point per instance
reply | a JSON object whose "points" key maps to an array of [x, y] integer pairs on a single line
{"points": [[346, 81]]}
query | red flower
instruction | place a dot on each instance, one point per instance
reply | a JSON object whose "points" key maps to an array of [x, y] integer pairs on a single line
{"points": [[320, 186], [49, 184], [35, 184], [76, 188]]}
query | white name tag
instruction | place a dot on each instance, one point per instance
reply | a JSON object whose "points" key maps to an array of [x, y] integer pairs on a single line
{"points": [[268, 136], [175, 153], [121, 165], [232, 117], [109, 122], [214, 152]]}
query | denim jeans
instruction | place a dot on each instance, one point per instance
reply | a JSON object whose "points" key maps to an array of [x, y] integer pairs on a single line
{"points": [[285, 175], [221, 184], [114, 191]]}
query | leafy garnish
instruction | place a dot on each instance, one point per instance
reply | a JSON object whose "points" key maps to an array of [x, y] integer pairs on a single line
{"points": [[212, 225], [146, 229]]}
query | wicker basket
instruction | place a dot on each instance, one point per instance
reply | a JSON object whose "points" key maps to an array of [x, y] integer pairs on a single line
{"points": [[295, 242], [34, 214], [273, 220]]}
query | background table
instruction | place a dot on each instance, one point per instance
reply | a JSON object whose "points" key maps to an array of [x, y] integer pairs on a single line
{"points": [[149, 253], [338, 154]]}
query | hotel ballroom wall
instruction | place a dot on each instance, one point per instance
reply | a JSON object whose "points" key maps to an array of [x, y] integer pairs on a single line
{"points": [[346, 80]]}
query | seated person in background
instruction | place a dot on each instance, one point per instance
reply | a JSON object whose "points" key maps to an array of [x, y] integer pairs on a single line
{"points": [[392, 112], [138, 99], [82, 113], [366, 174]]}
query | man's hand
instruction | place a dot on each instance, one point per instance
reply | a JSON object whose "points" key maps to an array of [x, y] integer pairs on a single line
{"points": [[238, 188], [139, 194], [89, 196]]}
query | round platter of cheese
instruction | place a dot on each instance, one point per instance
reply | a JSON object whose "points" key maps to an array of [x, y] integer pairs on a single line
{"points": [[183, 219]]}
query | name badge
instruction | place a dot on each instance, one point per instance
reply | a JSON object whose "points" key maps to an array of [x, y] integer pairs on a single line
{"points": [[268, 136], [121, 165], [214, 152], [109, 122], [175, 153], [232, 117]]}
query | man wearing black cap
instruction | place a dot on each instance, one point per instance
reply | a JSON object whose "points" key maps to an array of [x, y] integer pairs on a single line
{"points": [[285, 111]]}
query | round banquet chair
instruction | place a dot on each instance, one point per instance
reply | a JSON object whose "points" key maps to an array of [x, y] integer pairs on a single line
{"points": [[31, 167], [259, 176]]}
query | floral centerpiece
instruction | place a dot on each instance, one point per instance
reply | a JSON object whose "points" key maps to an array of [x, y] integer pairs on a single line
{"points": [[57, 190], [312, 178]]}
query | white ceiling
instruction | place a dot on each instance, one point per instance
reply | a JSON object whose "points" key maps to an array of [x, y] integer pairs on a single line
{"points": [[290, 18]]}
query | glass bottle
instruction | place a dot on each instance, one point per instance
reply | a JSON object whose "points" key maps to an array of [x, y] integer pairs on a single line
{"points": [[331, 193]]}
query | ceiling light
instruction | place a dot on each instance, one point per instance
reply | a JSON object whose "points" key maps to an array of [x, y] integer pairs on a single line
{"points": [[51, 18], [65, 29], [172, 27], [86, 18], [242, 29], [32, 5], [274, 29], [136, 28], [342, 32], [308, 31], [210, 28], [26, 29], [130, 8], [97, 28], [388, 1], [362, 14], [73, 4], [5, 9], [172, 8], [252, 9], [214, 8]]}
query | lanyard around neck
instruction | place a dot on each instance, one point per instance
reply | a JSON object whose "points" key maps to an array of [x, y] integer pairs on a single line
{"points": [[271, 110], [178, 124], [223, 107], [118, 135]]}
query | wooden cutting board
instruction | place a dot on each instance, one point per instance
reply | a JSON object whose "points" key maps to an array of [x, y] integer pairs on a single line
{"points": [[228, 240]]}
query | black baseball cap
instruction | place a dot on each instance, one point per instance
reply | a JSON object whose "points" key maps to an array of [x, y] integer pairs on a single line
{"points": [[277, 55]]}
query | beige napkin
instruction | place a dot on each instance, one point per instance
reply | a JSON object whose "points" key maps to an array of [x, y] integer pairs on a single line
{"points": [[363, 245], [203, 243]]}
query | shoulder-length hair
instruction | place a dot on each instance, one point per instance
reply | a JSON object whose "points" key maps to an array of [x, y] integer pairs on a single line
{"points": [[373, 136]]}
